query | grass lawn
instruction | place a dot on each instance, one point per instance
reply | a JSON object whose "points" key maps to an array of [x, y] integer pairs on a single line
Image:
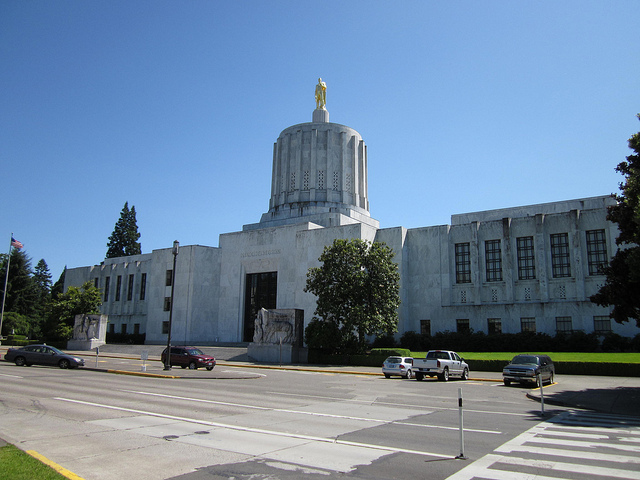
{"points": [[18, 465], [606, 357]]}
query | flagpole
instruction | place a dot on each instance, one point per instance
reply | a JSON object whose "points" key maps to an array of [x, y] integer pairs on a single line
{"points": [[6, 282]]}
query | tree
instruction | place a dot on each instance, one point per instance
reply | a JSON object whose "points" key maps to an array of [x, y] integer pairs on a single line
{"points": [[21, 292], [358, 287], [75, 301], [42, 284], [124, 239], [622, 286]]}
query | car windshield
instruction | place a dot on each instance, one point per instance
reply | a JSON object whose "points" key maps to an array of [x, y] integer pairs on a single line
{"points": [[393, 360], [195, 351], [525, 359]]}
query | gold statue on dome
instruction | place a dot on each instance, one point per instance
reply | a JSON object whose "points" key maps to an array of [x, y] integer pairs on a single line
{"points": [[321, 95]]}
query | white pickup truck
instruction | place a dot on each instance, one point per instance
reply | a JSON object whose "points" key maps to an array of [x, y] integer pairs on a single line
{"points": [[440, 363]]}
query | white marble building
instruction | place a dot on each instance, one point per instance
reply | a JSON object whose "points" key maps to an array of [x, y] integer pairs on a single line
{"points": [[522, 268]]}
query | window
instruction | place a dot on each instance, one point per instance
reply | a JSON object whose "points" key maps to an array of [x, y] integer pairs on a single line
{"points": [[112, 328], [165, 328], [425, 327], [601, 324], [96, 282], [136, 328], [167, 304], [596, 251], [143, 286], [494, 325], [563, 324], [528, 324], [118, 285], [526, 258], [123, 328], [107, 283], [462, 325], [560, 265], [168, 278], [463, 263], [493, 260], [130, 288]]}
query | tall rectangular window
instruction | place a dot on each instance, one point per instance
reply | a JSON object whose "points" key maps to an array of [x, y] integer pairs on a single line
{"points": [[123, 328], [564, 324], [602, 324], [167, 304], [526, 258], [118, 287], [528, 324], [493, 260], [560, 265], [168, 278], [130, 288], [165, 327], [462, 325], [425, 327], [96, 282], [494, 325], [143, 286], [463, 263], [136, 328], [107, 284], [596, 251]]}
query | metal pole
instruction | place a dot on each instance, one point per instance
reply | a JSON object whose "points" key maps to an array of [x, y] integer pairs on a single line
{"points": [[541, 395], [167, 358], [6, 284], [461, 456]]}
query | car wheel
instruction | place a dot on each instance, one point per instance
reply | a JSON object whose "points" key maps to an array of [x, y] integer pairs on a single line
{"points": [[183, 366], [209, 368], [551, 379], [386, 375], [64, 363], [19, 361], [409, 375], [419, 376], [507, 382], [193, 366], [465, 374], [444, 376]]}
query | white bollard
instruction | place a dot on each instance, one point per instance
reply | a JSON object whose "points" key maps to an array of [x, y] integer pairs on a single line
{"points": [[461, 456]]}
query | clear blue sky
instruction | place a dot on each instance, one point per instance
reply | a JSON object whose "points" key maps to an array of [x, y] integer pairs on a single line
{"points": [[174, 106]]}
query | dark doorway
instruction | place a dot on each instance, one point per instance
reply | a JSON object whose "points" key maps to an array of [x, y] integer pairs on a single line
{"points": [[260, 292]]}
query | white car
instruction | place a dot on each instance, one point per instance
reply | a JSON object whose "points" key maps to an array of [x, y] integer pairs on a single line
{"points": [[398, 366]]}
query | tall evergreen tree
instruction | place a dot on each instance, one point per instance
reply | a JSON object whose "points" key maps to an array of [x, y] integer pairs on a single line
{"points": [[622, 287], [42, 284], [58, 287], [21, 293], [124, 239]]}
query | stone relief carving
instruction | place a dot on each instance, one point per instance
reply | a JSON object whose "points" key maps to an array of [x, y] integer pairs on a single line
{"points": [[272, 327]]}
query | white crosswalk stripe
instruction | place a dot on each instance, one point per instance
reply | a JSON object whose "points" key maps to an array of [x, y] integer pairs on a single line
{"points": [[578, 443]]}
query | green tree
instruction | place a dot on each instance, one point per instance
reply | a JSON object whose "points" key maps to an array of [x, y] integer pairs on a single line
{"points": [[124, 239], [622, 287], [42, 284], [357, 289], [58, 287], [21, 293], [63, 309]]}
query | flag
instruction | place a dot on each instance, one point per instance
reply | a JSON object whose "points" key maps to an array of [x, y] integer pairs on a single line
{"points": [[16, 243]]}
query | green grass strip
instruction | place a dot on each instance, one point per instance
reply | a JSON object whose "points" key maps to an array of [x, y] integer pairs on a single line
{"points": [[18, 465], [591, 357]]}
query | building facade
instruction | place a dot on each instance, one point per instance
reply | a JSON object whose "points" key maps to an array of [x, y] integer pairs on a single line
{"points": [[529, 268]]}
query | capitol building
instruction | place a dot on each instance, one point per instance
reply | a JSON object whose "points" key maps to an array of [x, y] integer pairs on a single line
{"points": [[526, 268]]}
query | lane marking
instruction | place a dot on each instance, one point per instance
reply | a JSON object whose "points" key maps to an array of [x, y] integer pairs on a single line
{"points": [[255, 430]]}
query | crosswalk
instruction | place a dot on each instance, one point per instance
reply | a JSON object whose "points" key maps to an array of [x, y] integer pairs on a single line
{"points": [[572, 445]]}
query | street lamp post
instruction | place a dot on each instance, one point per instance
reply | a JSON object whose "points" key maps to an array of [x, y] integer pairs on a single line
{"points": [[167, 358]]}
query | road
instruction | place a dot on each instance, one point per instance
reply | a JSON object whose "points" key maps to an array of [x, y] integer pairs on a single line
{"points": [[275, 424]]}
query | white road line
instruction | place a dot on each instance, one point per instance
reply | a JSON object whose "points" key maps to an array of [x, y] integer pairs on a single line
{"points": [[601, 457], [12, 376], [254, 430], [422, 425]]}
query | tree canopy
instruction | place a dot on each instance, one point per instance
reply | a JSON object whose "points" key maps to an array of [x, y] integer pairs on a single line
{"points": [[358, 294], [63, 309], [622, 287], [124, 239]]}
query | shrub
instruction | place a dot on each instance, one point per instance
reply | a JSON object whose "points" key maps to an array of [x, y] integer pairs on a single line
{"points": [[387, 352], [384, 341]]}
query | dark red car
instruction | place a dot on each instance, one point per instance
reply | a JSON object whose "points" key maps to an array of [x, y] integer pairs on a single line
{"points": [[191, 357]]}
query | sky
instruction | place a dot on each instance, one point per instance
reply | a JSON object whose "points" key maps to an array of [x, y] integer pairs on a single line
{"points": [[174, 107]]}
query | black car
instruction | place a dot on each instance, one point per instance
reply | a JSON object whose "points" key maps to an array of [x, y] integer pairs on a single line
{"points": [[42, 355], [525, 368]]}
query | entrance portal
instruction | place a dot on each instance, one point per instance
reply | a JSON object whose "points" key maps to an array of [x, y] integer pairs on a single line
{"points": [[260, 292]]}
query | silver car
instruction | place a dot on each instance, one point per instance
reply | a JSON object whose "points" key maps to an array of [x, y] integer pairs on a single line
{"points": [[398, 366]]}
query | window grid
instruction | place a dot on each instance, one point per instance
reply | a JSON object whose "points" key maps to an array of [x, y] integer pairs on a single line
{"points": [[462, 325], [118, 287], [596, 251], [143, 286], [602, 324], [494, 326], [564, 324], [463, 263], [560, 264], [526, 258], [493, 260], [528, 324], [425, 327], [130, 288], [107, 284]]}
